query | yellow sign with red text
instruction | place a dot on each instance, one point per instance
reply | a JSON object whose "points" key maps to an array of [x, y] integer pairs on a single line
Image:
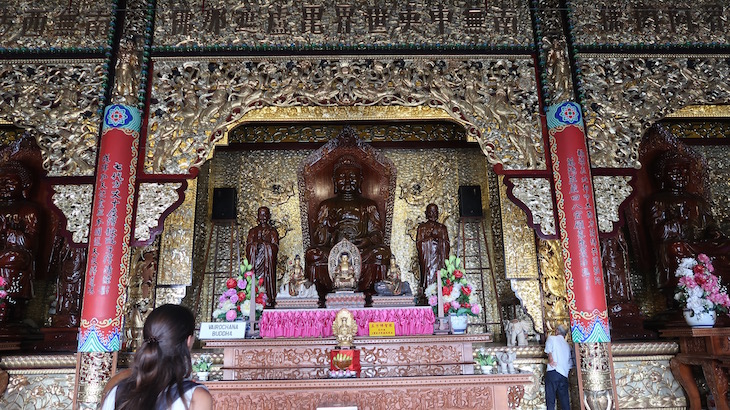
{"points": [[380, 329]]}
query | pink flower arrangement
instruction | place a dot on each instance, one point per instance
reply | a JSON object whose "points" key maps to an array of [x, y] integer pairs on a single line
{"points": [[235, 303], [3, 292], [458, 293], [699, 290]]}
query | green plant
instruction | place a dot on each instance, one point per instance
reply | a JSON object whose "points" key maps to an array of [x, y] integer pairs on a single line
{"points": [[482, 358], [203, 363]]}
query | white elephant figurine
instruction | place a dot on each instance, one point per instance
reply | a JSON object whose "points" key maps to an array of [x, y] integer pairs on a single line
{"points": [[506, 362], [517, 331]]}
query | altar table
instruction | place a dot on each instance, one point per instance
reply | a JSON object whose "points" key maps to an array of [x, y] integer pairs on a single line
{"points": [[298, 323], [705, 347]]}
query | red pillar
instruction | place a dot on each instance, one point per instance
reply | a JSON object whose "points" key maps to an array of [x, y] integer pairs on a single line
{"points": [[578, 224], [107, 268]]}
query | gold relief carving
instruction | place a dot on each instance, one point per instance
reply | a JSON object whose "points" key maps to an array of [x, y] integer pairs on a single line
{"points": [[37, 361], [552, 279], [171, 294], [660, 22], [39, 391], [528, 291], [140, 294], [282, 23], [199, 101], [95, 369], [60, 101], [702, 111], [646, 382], [53, 24], [176, 244], [611, 192], [595, 366], [426, 186], [624, 95], [557, 69], [520, 255], [643, 349], [126, 73], [75, 202], [154, 199], [535, 193], [432, 125], [719, 174]]}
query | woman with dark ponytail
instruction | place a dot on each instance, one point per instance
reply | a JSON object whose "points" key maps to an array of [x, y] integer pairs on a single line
{"points": [[160, 375]]}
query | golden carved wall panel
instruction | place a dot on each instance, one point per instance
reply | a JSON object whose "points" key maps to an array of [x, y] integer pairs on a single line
{"points": [[520, 256], [330, 24], [153, 200], [528, 291], [656, 22], [75, 202], [196, 102], [47, 389], [176, 245], [611, 192], [171, 294], [60, 101], [625, 95], [552, 279], [535, 193], [646, 382], [54, 24]]}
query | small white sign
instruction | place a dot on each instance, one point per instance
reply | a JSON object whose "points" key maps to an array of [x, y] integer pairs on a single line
{"points": [[222, 330]]}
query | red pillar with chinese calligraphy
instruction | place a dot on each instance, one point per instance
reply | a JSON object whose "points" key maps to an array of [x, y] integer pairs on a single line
{"points": [[578, 224], [102, 319]]}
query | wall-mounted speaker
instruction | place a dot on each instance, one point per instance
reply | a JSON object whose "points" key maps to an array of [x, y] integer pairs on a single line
{"points": [[470, 200], [224, 204]]}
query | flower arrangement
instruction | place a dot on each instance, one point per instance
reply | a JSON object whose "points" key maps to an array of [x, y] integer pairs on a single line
{"points": [[457, 292], [235, 303], [699, 290], [203, 363], [3, 292]]}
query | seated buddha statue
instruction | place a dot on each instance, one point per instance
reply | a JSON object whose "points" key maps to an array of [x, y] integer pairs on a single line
{"points": [[393, 285], [347, 215], [344, 274], [681, 224]]}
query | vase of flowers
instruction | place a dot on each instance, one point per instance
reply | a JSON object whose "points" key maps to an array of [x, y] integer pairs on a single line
{"points": [[459, 301], [202, 365], [235, 302], [700, 291]]}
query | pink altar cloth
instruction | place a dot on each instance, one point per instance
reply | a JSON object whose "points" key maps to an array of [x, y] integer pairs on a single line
{"points": [[417, 320]]}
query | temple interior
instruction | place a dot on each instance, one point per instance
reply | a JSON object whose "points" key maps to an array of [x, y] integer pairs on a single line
{"points": [[529, 165]]}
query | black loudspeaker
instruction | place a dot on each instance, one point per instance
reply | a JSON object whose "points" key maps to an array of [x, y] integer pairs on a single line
{"points": [[470, 200], [224, 204]]}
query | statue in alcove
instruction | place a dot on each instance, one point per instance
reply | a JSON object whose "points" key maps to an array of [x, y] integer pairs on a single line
{"points": [[19, 231], [626, 320], [432, 242], [69, 286], [680, 221], [348, 215]]}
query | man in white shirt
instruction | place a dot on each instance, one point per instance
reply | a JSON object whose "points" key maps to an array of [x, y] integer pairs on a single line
{"points": [[559, 364]]}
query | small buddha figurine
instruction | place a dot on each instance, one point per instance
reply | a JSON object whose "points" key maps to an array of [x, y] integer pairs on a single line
{"points": [[392, 285], [344, 274], [344, 328]]}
